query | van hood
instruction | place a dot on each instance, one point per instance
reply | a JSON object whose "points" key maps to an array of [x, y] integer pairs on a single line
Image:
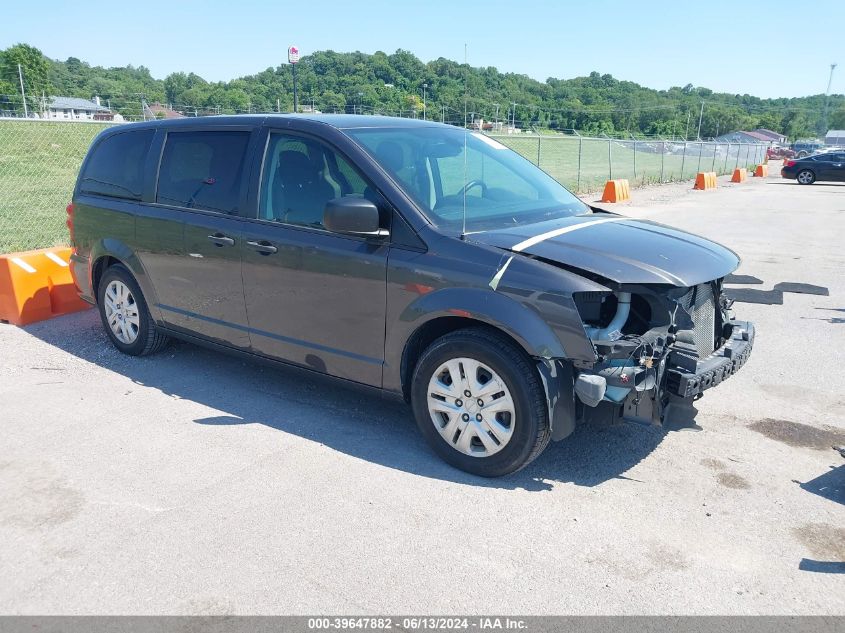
{"points": [[621, 249]]}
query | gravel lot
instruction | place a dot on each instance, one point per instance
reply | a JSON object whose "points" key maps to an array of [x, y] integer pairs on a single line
{"points": [[194, 483]]}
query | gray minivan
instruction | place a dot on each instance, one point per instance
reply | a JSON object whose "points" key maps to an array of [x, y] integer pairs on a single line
{"points": [[425, 261]]}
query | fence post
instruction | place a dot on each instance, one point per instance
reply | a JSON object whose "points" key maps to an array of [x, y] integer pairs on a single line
{"points": [[609, 160], [727, 154], [713, 166], [635, 159], [580, 145], [700, 150], [538, 149], [683, 160], [737, 156], [662, 158]]}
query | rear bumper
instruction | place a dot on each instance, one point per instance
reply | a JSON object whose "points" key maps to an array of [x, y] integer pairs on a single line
{"points": [[81, 273], [788, 173], [687, 376]]}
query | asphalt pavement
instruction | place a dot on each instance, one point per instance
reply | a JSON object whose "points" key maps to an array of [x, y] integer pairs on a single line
{"points": [[195, 483]]}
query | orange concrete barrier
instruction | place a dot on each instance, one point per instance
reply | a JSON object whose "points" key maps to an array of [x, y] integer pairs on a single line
{"points": [[762, 171], [705, 180], [616, 191], [739, 175], [37, 285]]}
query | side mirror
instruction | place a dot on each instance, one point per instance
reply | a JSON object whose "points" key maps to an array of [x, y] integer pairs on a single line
{"points": [[353, 216]]}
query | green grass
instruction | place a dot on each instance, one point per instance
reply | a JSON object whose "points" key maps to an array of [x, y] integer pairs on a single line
{"points": [[39, 161]]}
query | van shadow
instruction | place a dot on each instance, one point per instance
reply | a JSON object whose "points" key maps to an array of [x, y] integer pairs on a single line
{"points": [[349, 420]]}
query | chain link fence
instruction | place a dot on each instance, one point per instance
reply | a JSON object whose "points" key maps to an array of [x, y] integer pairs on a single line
{"points": [[39, 162], [584, 164]]}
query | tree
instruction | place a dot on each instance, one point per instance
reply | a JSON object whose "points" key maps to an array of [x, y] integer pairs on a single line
{"points": [[837, 119], [34, 67]]}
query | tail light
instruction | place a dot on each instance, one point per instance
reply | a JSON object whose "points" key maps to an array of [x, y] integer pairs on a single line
{"points": [[789, 163], [69, 221]]}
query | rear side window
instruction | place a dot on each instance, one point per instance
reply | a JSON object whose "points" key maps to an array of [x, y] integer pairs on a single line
{"points": [[202, 170], [116, 167]]}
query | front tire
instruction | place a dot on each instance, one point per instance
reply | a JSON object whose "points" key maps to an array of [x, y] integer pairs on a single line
{"points": [[125, 315], [805, 177], [479, 402]]}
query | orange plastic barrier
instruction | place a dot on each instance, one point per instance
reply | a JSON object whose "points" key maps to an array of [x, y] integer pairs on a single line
{"points": [[739, 175], [705, 180], [616, 191], [762, 171], [37, 285]]}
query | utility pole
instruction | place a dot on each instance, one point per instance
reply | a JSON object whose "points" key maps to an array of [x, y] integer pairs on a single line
{"points": [[497, 114], [513, 116], [700, 116], [826, 98], [689, 116], [424, 103], [23, 94]]}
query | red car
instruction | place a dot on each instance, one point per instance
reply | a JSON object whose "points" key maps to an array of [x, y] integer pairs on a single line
{"points": [[776, 153]]}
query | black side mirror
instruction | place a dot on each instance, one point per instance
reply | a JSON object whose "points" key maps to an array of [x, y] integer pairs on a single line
{"points": [[353, 216]]}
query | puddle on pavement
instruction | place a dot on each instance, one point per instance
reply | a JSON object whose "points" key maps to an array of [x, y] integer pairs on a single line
{"points": [[797, 434], [826, 542], [731, 480]]}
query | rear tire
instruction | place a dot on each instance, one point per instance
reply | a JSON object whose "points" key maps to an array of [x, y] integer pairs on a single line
{"points": [[503, 424], [805, 177], [125, 315]]}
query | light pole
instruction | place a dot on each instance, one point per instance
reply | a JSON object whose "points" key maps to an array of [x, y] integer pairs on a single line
{"points": [[827, 98], [424, 96], [497, 114], [360, 103], [23, 94], [700, 116]]}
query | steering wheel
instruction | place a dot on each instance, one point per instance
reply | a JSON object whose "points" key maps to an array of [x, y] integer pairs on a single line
{"points": [[474, 183]]}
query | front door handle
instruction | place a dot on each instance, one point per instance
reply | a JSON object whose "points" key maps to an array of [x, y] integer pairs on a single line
{"points": [[221, 240], [265, 248]]}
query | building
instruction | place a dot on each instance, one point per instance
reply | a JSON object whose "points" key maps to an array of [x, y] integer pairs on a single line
{"points": [[835, 137], [74, 108], [742, 136], [775, 137]]}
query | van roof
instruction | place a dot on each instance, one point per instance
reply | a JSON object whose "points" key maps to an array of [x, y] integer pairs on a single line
{"points": [[340, 121]]}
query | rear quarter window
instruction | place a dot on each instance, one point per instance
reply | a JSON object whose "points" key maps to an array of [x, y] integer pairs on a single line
{"points": [[203, 170], [116, 165]]}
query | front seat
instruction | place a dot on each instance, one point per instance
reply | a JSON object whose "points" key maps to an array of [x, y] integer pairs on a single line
{"points": [[303, 191]]}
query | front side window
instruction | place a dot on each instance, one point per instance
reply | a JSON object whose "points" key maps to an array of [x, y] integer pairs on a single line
{"points": [[456, 176], [203, 170], [300, 176], [116, 168]]}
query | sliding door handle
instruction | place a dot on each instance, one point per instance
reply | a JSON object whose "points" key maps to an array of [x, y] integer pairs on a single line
{"points": [[221, 240], [265, 248]]}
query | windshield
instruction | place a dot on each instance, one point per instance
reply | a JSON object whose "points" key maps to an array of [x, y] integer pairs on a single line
{"points": [[446, 169]]}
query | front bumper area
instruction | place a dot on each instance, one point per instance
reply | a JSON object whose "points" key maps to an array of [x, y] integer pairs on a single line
{"points": [[688, 376]]}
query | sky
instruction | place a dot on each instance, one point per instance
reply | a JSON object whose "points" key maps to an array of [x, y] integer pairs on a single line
{"points": [[760, 48]]}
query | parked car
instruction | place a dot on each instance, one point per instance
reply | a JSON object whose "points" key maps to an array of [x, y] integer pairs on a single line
{"points": [[827, 166], [805, 148], [426, 261], [778, 153]]}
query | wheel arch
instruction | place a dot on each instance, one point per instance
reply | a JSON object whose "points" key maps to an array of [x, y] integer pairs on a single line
{"points": [[110, 251], [450, 309], [432, 330]]}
